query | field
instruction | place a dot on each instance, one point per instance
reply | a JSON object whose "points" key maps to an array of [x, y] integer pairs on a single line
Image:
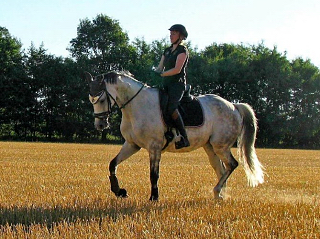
{"points": [[62, 191]]}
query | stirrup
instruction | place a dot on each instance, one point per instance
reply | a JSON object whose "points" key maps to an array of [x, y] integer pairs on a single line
{"points": [[184, 142]]}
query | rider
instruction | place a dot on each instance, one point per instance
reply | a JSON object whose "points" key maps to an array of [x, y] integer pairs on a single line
{"points": [[172, 68]]}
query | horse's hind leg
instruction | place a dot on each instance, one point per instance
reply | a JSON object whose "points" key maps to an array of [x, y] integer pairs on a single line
{"points": [[230, 164], [215, 162], [126, 151]]}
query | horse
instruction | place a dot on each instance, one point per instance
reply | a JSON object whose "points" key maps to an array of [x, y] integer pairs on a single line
{"points": [[142, 126]]}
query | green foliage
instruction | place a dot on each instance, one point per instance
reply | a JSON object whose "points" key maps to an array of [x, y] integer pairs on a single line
{"points": [[101, 45], [45, 99], [16, 97]]}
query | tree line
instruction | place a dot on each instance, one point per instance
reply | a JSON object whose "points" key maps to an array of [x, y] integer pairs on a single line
{"points": [[43, 97]]}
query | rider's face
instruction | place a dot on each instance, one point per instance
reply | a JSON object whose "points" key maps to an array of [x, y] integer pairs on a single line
{"points": [[174, 36]]}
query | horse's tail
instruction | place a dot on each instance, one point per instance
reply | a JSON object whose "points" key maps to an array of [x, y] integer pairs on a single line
{"points": [[246, 149]]}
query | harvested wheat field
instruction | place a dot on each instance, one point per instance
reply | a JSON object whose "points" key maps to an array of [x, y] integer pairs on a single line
{"points": [[62, 191]]}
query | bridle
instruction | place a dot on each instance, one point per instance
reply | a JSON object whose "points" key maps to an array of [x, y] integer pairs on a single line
{"points": [[103, 115]]}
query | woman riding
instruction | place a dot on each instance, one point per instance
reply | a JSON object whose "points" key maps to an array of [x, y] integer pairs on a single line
{"points": [[172, 68]]}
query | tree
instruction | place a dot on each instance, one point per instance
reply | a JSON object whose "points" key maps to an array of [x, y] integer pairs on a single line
{"points": [[16, 96], [101, 45], [303, 123], [60, 110]]}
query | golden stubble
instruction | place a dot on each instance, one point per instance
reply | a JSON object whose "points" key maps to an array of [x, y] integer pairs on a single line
{"points": [[62, 191]]}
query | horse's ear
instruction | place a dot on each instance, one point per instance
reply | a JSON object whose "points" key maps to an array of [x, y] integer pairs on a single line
{"points": [[87, 76]]}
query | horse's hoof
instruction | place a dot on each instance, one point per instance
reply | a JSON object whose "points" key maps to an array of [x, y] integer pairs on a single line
{"points": [[217, 196], [153, 198], [122, 193], [154, 194]]}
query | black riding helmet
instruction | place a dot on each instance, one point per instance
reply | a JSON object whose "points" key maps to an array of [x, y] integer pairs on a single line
{"points": [[180, 28]]}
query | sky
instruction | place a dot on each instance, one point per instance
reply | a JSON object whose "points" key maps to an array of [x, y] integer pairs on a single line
{"points": [[290, 25]]}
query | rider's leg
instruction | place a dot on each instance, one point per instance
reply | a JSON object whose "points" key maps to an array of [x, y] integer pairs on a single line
{"points": [[175, 93], [184, 142]]}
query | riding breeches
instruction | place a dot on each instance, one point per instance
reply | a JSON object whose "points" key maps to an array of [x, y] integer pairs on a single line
{"points": [[175, 92]]}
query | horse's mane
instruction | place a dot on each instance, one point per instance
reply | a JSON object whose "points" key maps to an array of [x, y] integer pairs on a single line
{"points": [[111, 77]]}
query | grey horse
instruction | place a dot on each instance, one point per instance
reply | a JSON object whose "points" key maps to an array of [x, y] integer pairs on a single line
{"points": [[142, 126]]}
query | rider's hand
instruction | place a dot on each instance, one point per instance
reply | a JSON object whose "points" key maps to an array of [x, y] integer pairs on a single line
{"points": [[156, 70]]}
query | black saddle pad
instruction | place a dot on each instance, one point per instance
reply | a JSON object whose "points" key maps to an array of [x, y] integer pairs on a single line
{"points": [[189, 108]]}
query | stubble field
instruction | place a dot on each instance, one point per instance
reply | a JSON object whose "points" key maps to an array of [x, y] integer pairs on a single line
{"points": [[62, 191]]}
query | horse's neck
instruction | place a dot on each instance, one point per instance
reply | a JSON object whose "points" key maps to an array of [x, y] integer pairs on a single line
{"points": [[144, 106], [126, 89]]}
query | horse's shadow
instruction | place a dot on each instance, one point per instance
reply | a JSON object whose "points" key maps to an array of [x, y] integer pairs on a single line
{"points": [[49, 217], [31, 215]]}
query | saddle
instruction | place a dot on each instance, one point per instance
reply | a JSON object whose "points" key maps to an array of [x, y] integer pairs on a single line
{"points": [[190, 109]]}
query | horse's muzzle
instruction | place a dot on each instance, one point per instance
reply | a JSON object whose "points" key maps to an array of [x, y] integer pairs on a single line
{"points": [[101, 121], [101, 124]]}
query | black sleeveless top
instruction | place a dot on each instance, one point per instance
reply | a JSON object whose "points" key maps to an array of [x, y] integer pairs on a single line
{"points": [[170, 58]]}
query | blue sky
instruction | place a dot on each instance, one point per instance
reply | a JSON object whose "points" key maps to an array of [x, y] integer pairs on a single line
{"points": [[291, 25]]}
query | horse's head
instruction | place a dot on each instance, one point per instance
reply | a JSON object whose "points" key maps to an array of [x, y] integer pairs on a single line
{"points": [[101, 98]]}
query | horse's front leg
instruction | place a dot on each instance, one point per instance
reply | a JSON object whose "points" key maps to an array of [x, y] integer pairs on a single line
{"points": [[126, 151], [155, 155]]}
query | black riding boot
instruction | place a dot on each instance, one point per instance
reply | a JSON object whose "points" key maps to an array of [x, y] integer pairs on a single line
{"points": [[184, 142]]}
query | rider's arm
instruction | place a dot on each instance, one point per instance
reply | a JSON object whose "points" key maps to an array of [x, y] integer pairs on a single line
{"points": [[160, 67], [181, 58]]}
